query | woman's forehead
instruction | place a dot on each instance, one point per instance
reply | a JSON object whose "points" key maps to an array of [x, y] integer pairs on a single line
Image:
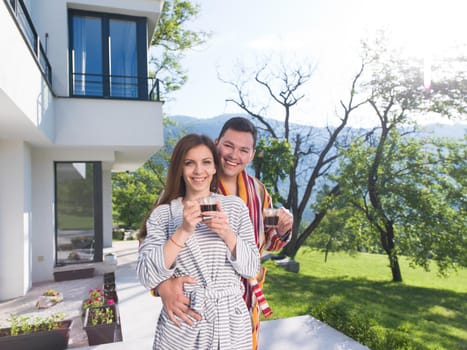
{"points": [[200, 151]]}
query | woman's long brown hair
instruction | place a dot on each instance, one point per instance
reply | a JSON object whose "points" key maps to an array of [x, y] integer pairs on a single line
{"points": [[175, 184]]}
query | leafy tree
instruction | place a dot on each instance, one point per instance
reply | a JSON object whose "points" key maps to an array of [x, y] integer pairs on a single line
{"points": [[397, 184], [132, 195], [172, 40], [305, 155], [271, 163], [420, 187]]}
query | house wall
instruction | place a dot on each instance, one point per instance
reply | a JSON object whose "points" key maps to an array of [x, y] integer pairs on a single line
{"points": [[43, 252], [15, 219], [38, 128], [29, 98], [50, 17]]}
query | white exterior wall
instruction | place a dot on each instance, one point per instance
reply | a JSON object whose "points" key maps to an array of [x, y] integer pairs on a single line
{"points": [[22, 83], [38, 128], [52, 18], [43, 252], [15, 219]]}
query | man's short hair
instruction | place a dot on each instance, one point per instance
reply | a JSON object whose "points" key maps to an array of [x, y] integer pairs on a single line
{"points": [[240, 124]]}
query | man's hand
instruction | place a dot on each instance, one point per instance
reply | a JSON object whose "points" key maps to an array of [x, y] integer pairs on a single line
{"points": [[175, 302], [285, 221]]}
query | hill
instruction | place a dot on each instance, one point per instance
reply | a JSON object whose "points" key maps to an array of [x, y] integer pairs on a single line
{"points": [[212, 126]]}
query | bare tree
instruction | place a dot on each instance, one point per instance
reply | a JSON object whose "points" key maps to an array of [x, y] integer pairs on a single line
{"points": [[313, 154]]}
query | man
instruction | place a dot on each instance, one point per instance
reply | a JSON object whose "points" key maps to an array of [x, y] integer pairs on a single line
{"points": [[236, 149]]}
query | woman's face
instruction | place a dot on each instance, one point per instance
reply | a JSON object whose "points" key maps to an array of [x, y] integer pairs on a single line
{"points": [[198, 169]]}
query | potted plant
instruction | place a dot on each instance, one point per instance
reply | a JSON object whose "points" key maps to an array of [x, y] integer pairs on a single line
{"points": [[110, 291], [95, 298], [101, 323], [35, 332], [110, 258], [109, 277], [101, 317]]}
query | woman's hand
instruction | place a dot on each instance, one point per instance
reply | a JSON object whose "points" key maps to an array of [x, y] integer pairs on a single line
{"points": [[218, 222], [191, 217]]}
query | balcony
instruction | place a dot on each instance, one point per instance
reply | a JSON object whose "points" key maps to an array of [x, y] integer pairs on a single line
{"points": [[123, 125], [115, 86], [24, 22]]}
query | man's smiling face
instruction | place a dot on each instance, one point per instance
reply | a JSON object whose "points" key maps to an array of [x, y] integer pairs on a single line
{"points": [[236, 151]]}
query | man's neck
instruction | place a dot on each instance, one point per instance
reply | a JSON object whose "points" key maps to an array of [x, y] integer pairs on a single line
{"points": [[230, 184]]}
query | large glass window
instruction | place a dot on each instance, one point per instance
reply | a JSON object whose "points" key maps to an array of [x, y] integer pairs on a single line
{"points": [[86, 56], [78, 212], [108, 55], [123, 59]]}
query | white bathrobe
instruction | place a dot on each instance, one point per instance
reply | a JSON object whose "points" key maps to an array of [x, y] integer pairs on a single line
{"points": [[217, 297]]}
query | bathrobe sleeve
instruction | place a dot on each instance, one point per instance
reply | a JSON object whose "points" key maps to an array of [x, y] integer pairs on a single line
{"points": [[150, 267]]}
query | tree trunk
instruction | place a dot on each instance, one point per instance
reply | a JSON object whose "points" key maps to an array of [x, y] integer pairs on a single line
{"points": [[291, 248], [387, 241], [395, 269]]}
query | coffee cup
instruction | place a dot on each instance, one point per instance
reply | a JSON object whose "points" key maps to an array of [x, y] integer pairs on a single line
{"points": [[207, 204], [271, 217]]}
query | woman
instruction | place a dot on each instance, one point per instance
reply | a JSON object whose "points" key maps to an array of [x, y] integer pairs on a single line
{"points": [[217, 251]]}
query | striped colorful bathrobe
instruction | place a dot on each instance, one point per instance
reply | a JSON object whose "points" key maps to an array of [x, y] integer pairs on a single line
{"points": [[217, 297], [256, 197]]}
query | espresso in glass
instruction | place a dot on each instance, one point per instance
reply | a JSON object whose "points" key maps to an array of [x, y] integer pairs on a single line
{"points": [[207, 204], [208, 207], [271, 220], [271, 216]]}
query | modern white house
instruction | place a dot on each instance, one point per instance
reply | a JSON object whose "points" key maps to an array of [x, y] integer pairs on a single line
{"points": [[76, 104]]}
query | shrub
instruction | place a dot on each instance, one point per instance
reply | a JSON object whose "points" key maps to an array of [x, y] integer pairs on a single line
{"points": [[118, 234], [361, 326]]}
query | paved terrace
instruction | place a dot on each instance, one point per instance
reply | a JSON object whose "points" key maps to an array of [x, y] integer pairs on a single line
{"points": [[139, 312]]}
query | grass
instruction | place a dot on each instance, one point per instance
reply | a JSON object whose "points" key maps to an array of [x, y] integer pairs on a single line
{"points": [[433, 308], [76, 222]]}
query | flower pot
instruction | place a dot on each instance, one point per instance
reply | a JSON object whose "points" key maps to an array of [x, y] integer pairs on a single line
{"points": [[110, 259], [104, 332], [55, 339], [68, 275], [109, 286], [110, 295], [109, 277]]}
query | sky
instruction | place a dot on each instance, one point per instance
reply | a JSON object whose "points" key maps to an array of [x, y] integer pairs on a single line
{"points": [[323, 33]]}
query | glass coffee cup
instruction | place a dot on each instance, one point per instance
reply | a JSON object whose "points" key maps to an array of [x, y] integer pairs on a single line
{"points": [[271, 217], [207, 204]]}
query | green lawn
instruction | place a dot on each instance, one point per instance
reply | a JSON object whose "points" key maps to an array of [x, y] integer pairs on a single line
{"points": [[433, 308]]}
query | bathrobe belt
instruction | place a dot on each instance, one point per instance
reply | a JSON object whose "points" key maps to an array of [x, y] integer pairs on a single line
{"points": [[203, 300]]}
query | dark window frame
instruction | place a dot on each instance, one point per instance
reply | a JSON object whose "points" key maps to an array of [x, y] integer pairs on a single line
{"points": [[141, 37]]}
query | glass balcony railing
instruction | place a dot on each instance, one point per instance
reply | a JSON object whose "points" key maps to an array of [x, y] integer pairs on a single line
{"points": [[115, 86], [20, 13]]}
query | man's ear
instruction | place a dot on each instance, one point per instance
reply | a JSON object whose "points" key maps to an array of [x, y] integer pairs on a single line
{"points": [[216, 142], [252, 154]]}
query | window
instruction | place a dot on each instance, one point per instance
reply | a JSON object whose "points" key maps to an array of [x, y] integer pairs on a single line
{"points": [[78, 212], [108, 55]]}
